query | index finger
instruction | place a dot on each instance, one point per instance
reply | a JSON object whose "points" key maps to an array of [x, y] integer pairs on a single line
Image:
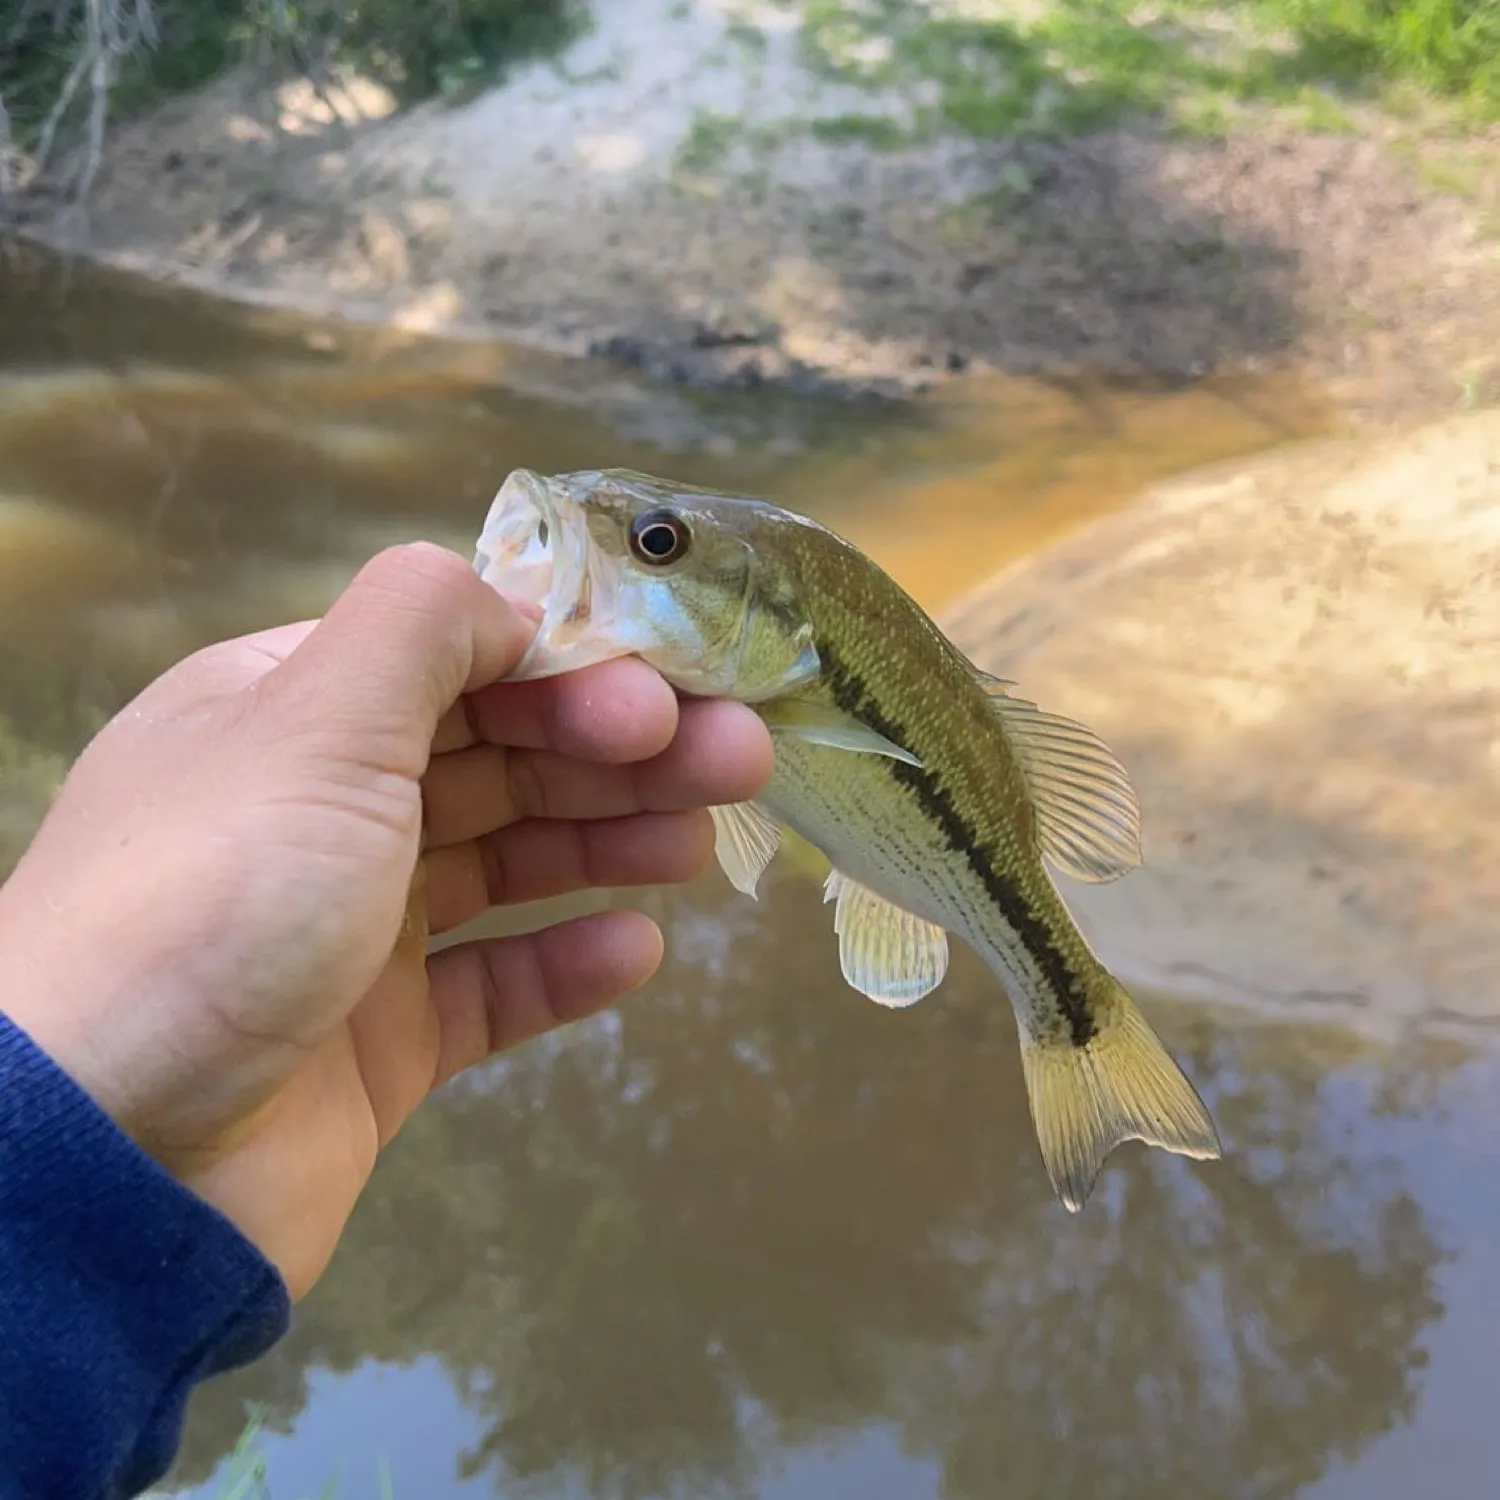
{"points": [[616, 712]]}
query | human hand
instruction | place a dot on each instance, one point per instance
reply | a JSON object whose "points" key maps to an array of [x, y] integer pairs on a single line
{"points": [[221, 928]]}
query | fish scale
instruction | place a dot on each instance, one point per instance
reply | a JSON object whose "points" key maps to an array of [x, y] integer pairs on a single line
{"points": [[841, 807], [938, 797]]}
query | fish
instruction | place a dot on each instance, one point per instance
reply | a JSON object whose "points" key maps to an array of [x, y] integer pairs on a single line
{"points": [[941, 799]]}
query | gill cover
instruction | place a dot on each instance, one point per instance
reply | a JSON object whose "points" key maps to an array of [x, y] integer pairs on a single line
{"points": [[713, 614]]}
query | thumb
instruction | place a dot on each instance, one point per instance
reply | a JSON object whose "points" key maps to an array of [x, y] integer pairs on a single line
{"points": [[415, 629]]}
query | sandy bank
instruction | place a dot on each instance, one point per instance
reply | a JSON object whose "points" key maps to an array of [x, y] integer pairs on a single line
{"points": [[1299, 661]]}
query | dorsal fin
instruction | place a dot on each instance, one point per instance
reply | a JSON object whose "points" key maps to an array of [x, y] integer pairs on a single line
{"points": [[1087, 815]]}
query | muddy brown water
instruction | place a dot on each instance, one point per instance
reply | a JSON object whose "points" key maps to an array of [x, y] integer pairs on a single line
{"points": [[749, 1235]]}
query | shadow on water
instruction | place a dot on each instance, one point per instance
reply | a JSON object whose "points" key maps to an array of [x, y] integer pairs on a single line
{"points": [[750, 1235]]}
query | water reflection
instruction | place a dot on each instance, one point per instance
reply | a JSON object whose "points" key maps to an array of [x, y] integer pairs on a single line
{"points": [[752, 1215]]}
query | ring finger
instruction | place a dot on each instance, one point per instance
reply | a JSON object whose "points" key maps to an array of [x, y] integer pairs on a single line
{"points": [[538, 858], [471, 792]]}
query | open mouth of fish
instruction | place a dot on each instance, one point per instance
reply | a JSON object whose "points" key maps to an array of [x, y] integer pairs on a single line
{"points": [[535, 548]]}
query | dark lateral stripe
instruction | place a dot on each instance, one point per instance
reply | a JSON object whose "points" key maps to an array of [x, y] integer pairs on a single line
{"points": [[852, 696]]}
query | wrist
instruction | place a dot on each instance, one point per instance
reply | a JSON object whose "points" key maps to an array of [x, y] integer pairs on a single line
{"points": [[66, 1032], [120, 1018], [226, 1175], [291, 1205]]}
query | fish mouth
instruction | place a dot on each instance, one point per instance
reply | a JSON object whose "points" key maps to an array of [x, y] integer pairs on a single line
{"points": [[535, 548]]}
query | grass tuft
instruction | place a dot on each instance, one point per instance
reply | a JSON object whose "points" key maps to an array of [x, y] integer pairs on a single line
{"points": [[1068, 65]]}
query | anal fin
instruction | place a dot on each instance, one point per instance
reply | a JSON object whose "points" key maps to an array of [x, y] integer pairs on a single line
{"points": [[886, 952]]}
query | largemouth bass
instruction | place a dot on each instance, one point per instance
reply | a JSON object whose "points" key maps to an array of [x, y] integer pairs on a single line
{"points": [[938, 796]]}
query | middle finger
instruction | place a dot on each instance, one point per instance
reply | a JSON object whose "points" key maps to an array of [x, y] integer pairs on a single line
{"points": [[536, 860], [614, 711], [711, 760]]}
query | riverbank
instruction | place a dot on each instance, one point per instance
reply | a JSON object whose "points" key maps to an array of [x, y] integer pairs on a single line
{"points": [[1309, 719], [696, 191]]}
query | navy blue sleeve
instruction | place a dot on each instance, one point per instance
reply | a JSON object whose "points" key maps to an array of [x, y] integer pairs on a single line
{"points": [[119, 1291]]}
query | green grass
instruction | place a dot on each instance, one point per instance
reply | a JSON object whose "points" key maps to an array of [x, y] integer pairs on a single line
{"points": [[1451, 48], [245, 1478], [987, 70], [417, 50], [709, 139], [714, 136], [1074, 64], [879, 131]]}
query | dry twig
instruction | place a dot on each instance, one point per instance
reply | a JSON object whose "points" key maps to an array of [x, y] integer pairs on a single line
{"points": [[111, 31]]}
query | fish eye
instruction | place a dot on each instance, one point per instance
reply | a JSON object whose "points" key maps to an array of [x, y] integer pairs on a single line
{"points": [[659, 537]]}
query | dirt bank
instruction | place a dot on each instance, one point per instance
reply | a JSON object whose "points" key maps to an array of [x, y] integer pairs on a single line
{"points": [[1296, 658], [718, 211]]}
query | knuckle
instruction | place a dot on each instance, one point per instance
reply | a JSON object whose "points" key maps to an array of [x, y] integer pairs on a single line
{"points": [[495, 876], [588, 860], [528, 786]]}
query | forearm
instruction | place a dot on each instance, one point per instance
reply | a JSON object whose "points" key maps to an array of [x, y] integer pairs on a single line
{"points": [[119, 1291]]}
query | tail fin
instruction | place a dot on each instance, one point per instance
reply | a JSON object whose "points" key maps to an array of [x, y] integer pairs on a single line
{"points": [[1121, 1085]]}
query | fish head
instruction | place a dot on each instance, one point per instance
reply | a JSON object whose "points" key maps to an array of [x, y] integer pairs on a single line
{"points": [[700, 585]]}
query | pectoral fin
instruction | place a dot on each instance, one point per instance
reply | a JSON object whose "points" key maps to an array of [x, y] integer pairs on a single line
{"points": [[822, 724], [1088, 819], [745, 842], [886, 953]]}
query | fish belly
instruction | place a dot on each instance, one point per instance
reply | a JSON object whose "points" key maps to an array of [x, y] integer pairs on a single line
{"points": [[850, 807], [871, 829]]}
